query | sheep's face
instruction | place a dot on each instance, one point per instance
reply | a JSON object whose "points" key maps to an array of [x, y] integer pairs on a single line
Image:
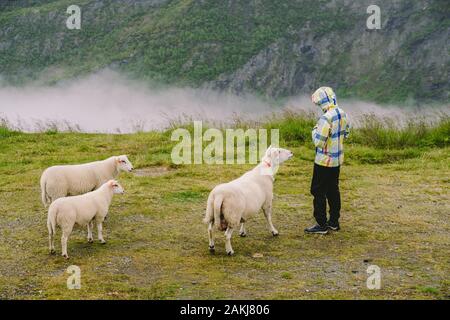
{"points": [[117, 188], [273, 158], [282, 155], [278, 155], [124, 164]]}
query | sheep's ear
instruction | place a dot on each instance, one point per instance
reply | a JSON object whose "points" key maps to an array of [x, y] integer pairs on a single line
{"points": [[268, 150], [111, 183]]}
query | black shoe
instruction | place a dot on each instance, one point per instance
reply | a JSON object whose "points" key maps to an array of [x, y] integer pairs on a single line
{"points": [[317, 229], [333, 226]]}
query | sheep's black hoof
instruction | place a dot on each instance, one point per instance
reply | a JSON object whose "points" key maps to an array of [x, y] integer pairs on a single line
{"points": [[212, 249], [66, 256], [230, 253], [243, 234], [102, 242], [52, 251], [275, 234], [90, 240]]}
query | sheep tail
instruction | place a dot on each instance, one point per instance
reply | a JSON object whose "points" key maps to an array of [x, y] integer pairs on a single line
{"points": [[51, 220], [45, 198], [217, 208], [209, 215], [213, 210]]}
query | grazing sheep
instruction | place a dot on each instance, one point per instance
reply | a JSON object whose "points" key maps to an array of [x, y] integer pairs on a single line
{"points": [[81, 210], [72, 180], [232, 203]]}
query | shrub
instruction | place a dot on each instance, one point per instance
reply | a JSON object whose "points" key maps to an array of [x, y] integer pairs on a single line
{"points": [[294, 127]]}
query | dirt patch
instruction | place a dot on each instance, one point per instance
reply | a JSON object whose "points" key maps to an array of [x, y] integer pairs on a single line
{"points": [[151, 172]]}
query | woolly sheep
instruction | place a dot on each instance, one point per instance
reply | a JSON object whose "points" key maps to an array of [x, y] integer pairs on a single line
{"points": [[73, 180], [81, 210], [231, 204]]}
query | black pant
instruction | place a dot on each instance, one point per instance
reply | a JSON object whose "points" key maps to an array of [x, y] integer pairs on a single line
{"points": [[325, 186]]}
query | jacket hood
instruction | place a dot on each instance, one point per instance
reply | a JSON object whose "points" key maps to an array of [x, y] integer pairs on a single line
{"points": [[325, 98]]}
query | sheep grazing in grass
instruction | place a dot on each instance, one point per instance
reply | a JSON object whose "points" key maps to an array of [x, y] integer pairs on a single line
{"points": [[72, 180], [232, 203], [81, 210]]}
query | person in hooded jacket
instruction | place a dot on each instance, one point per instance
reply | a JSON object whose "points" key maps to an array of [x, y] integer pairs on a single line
{"points": [[328, 137]]}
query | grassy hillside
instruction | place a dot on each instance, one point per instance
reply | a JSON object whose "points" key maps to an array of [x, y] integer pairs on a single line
{"points": [[395, 215], [273, 48]]}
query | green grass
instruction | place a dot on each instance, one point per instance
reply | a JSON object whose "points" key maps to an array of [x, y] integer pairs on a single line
{"points": [[387, 134], [394, 215], [5, 129]]}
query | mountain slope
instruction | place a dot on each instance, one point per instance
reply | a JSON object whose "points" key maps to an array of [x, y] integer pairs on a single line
{"points": [[273, 48]]}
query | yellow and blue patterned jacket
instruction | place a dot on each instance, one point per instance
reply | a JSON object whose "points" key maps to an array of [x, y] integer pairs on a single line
{"points": [[331, 129]]}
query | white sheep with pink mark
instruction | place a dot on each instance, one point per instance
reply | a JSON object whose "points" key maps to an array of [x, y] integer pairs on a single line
{"points": [[232, 203]]}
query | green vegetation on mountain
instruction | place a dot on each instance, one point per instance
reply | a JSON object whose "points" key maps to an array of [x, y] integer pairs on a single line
{"points": [[272, 48]]}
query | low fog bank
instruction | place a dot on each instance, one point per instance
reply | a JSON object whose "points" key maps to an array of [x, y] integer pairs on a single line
{"points": [[107, 102]]}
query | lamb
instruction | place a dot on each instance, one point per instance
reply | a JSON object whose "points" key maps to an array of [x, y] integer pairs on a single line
{"points": [[81, 210], [232, 203], [73, 180]]}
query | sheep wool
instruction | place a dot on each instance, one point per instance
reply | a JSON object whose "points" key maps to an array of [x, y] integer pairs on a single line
{"points": [[81, 210], [72, 180], [232, 203]]}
